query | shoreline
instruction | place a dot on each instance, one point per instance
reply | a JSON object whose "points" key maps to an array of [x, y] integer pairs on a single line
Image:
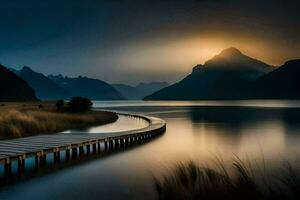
{"points": [[19, 120], [73, 146]]}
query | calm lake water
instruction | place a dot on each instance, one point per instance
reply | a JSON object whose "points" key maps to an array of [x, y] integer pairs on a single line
{"points": [[260, 131]]}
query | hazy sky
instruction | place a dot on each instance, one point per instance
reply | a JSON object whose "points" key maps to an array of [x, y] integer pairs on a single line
{"points": [[130, 41]]}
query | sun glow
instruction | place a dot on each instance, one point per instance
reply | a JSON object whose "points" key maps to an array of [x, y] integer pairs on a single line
{"points": [[162, 58], [182, 54]]}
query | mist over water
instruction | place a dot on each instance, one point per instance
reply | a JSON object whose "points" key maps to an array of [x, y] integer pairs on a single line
{"points": [[259, 131]]}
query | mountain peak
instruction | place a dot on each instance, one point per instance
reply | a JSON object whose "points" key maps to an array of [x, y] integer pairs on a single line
{"points": [[230, 55], [26, 68], [293, 62], [198, 68], [19, 90], [232, 51]]}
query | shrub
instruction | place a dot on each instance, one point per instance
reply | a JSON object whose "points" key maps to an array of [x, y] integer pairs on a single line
{"points": [[60, 104], [79, 104]]}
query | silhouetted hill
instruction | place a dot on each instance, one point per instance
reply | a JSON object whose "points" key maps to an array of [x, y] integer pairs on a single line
{"points": [[87, 87], [139, 91], [44, 87], [14, 88], [233, 60], [149, 88], [129, 92], [225, 76], [282, 83]]}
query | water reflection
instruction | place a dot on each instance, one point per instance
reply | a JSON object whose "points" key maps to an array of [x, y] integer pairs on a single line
{"points": [[244, 103], [124, 123], [256, 130]]}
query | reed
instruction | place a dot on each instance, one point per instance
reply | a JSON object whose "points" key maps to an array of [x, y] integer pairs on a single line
{"points": [[192, 181], [16, 122]]}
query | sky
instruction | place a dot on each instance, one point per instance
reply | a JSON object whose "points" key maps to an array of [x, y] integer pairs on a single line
{"points": [[132, 41]]}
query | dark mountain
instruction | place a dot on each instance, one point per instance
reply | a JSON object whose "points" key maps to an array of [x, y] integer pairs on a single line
{"points": [[226, 76], [232, 60], [14, 88], [282, 83], [139, 91], [129, 92], [148, 88], [87, 87], [44, 87]]}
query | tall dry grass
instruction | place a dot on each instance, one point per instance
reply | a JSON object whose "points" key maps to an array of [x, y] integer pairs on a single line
{"points": [[20, 123], [190, 181]]}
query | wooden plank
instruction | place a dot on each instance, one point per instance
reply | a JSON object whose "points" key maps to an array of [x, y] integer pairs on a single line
{"points": [[34, 144], [52, 142], [22, 144], [3, 156], [10, 154], [15, 151], [47, 140], [22, 148]]}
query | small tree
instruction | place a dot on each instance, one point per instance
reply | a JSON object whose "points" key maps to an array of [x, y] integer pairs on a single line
{"points": [[79, 104], [60, 104]]}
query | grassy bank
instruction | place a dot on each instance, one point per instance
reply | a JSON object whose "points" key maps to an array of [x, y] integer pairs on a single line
{"points": [[192, 181], [25, 119]]}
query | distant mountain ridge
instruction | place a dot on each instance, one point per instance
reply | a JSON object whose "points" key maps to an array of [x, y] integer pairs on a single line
{"points": [[59, 87], [128, 91], [53, 87], [44, 87], [87, 87], [228, 75], [14, 88], [233, 75], [139, 91]]}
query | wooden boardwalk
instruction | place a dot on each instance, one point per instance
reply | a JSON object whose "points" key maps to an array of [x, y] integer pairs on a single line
{"points": [[73, 144]]}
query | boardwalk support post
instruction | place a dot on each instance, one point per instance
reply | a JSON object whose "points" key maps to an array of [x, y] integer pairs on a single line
{"points": [[43, 160], [81, 151], [7, 168], [88, 149], [54, 156], [122, 142], [36, 160], [58, 155], [21, 165], [94, 148], [99, 147], [74, 152], [105, 145], [67, 154], [111, 144], [117, 144]]}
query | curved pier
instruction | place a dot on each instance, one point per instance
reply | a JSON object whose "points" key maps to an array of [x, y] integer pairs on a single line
{"points": [[74, 145]]}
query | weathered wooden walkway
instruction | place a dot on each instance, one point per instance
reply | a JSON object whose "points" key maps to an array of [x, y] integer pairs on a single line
{"points": [[73, 144]]}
